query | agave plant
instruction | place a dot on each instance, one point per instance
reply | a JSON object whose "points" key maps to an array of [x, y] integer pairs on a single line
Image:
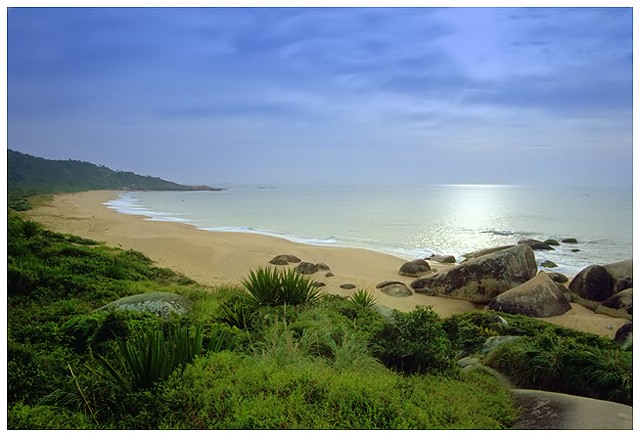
{"points": [[363, 298], [273, 287], [148, 356]]}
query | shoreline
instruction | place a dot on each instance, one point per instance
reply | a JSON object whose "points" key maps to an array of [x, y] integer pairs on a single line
{"points": [[215, 258]]}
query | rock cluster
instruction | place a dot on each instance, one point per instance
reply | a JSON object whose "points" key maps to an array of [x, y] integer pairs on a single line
{"points": [[484, 277], [506, 279]]}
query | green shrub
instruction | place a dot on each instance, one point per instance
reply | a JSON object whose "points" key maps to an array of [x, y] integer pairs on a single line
{"points": [[271, 286], [555, 363], [39, 417], [415, 342], [148, 356], [232, 391]]}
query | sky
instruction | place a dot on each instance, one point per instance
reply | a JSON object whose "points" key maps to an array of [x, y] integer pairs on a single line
{"points": [[225, 96]]}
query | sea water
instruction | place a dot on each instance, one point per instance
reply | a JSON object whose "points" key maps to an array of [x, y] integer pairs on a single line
{"points": [[411, 222]]}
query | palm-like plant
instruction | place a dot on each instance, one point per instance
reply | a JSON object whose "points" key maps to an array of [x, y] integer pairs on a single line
{"points": [[273, 287], [148, 356], [363, 298]]}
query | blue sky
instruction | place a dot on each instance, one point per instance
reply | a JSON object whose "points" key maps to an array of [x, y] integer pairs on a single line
{"points": [[347, 95]]}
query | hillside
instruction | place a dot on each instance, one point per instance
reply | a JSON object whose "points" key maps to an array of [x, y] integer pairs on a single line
{"points": [[28, 175]]}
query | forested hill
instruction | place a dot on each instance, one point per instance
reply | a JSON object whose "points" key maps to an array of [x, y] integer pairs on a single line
{"points": [[28, 175]]}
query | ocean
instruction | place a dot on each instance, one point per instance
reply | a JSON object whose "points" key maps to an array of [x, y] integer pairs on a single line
{"points": [[412, 222]]}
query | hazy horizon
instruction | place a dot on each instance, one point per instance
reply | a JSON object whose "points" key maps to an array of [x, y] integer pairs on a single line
{"points": [[224, 96]]}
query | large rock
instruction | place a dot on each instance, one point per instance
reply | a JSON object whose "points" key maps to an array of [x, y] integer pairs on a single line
{"points": [[623, 333], [443, 259], [160, 303], [621, 275], [538, 297], [307, 268], [619, 305], [536, 244], [415, 268], [483, 252], [592, 283], [394, 288], [283, 260], [599, 283], [479, 280]]}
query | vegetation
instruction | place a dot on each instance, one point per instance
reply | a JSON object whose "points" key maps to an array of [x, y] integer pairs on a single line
{"points": [[252, 357], [546, 356], [271, 286], [28, 175]]}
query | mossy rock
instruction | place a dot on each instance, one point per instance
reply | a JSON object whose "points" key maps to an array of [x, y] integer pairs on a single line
{"points": [[160, 303]]}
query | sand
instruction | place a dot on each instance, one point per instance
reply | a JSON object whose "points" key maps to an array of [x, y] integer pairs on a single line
{"points": [[217, 258]]}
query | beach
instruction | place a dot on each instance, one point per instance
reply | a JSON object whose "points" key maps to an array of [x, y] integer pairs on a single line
{"points": [[218, 258]]}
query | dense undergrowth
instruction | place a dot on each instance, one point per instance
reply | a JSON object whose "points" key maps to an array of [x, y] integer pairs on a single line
{"points": [[243, 360]]}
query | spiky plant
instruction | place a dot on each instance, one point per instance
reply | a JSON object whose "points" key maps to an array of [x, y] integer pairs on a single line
{"points": [[273, 287], [363, 298], [148, 356]]}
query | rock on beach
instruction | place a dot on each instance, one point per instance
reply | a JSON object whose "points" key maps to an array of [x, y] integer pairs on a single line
{"points": [[480, 279], [538, 297]]}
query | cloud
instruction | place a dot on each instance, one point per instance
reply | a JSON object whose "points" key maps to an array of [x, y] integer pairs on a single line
{"points": [[354, 81]]}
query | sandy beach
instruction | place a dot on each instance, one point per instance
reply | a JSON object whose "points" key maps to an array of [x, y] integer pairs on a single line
{"points": [[215, 258]]}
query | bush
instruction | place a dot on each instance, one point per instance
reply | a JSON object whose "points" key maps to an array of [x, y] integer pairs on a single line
{"points": [[415, 342], [231, 391], [555, 363], [40, 417], [271, 286]]}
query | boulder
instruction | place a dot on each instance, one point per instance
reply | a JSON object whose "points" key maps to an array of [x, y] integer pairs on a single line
{"points": [[322, 266], [348, 286], [483, 252], [394, 288], [536, 244], [622, 300], [592, 283], [318, 284], [307, 268], [159, 303], [549, 264], [415, 268], [329, 275], [479, 280], [569, 240], [538, 297], [551, 242], [443, 259], [619, 305], [558, 277], [623, 333], [621, 275], [283, 260]]}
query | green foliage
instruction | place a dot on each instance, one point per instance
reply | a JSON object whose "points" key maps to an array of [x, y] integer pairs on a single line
{"points": [[415, 342], [468, 331], [556, 363], [149, 356], [232, 391], [271, 286], [38, 417], [363, 298]]}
